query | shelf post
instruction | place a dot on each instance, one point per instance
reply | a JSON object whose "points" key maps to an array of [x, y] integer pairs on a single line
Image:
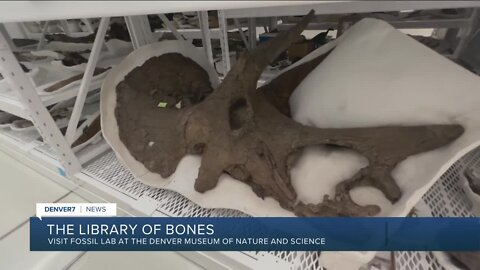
{"points": [[7, 37], [171, 27], [39, 115], [465, 34], [223, 35], [88, 25], [87, 78], [41, 40], [206, 39], [64, 25], [139, 30], [240, 31]]}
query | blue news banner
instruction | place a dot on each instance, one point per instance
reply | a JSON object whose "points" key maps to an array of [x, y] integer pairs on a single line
{"points": [[253, 234]]}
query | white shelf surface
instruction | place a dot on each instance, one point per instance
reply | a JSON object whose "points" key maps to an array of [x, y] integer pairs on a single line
{"points": [[16, 11]]}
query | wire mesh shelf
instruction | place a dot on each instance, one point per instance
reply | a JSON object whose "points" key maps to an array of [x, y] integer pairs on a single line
{"points": [[445, 198]]}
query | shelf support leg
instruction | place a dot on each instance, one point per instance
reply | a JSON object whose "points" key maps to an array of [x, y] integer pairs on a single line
{"points": [[171, 27], [40, 116], [242, 35], [87, 78], [223, 35], [465, 34], [21, 26], [88, 25], [64, 25], [41, 41], [206, 39], [7, 37], [139, 30]]}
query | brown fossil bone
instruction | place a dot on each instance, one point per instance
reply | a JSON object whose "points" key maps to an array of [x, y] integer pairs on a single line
{"points": [[60, 84], [166, 109], [468, 260], [473, 180]]}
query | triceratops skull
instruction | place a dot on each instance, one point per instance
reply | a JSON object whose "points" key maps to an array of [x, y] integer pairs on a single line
{"points": [[247, 132]]}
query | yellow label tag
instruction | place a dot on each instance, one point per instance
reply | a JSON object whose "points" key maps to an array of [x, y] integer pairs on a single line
{"points": [[162, 104]]}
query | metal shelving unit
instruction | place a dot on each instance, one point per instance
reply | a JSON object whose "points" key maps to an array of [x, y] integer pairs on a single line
{"points": [[96, 169], [352, 7]]}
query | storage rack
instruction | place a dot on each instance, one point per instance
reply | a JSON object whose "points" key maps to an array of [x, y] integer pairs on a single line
{"points": [[97, 172]]}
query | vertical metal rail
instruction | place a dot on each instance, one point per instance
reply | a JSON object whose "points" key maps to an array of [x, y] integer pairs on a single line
{"points": [[465, 34], [87, 77], [252, 33], [28, 33], [21, 27], [223, 35], [41, 40], [64, 25], [39, 115], [139, 30], [240, 31], [88, 25], [206, 39], [7, 37]]}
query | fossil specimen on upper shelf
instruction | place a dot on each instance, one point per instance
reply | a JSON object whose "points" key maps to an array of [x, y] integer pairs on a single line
{"points": [[166, 109]]}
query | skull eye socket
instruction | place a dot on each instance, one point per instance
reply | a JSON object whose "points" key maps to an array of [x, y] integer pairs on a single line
{"points": [[238, 113], [198, 148]]}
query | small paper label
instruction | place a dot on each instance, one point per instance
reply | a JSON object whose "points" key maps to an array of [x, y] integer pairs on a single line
{"points": [[162, 104]]}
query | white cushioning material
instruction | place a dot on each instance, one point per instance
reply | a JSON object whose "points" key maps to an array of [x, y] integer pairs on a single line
{"points": [[378, 76]]}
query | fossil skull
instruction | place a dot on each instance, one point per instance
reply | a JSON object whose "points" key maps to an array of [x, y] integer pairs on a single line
{"points": [[167, 109]]}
